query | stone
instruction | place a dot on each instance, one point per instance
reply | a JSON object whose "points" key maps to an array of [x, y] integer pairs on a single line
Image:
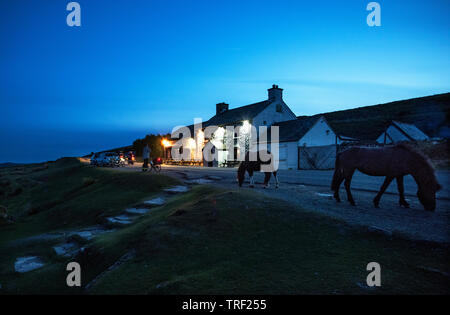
{"points": [[155, 202], [29, 263], [121, 219], [66, 249], [137, 211], [177, 189]]}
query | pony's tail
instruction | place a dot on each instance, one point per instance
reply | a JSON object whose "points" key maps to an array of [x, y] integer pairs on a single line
{"points": [[337, 173]]}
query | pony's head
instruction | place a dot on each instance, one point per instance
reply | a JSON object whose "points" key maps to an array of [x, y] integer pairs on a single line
{"points": [[425, 177], [427, 195], [241, 174]]}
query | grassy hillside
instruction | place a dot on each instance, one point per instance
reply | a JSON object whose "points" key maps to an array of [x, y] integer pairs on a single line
{"points": [[206, 241], [431, 114]]}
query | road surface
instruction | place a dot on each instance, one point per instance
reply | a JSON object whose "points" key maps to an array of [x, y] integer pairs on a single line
{"points": [[311, 191], [315, 178]]}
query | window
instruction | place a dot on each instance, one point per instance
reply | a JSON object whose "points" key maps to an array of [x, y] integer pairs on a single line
{"points": [[328, 132], [279, 108]]}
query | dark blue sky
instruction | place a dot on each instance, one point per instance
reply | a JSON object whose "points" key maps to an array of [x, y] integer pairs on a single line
{"points": [[136, 67]]}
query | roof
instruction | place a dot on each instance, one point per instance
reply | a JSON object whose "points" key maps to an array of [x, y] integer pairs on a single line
{"points": [[293, 130], [410, 130], [236, 115], [428, 113]]}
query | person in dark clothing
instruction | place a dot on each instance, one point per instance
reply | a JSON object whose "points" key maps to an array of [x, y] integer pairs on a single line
{"points": [[146, 156]]}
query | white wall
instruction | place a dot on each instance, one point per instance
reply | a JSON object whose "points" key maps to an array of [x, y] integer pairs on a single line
{"points": [[288, 155], [320, 134]]}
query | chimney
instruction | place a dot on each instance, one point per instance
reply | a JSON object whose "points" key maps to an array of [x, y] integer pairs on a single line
{"points": [[275, 93], [221, 108]]}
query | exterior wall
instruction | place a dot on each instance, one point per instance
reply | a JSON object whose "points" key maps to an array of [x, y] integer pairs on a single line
{"points": [[288, 155], [319, 135], [291, 161], [270, 115]]}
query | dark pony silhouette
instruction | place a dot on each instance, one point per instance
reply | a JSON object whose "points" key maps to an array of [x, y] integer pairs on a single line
{"points": [[392, 162], [255, 166]]}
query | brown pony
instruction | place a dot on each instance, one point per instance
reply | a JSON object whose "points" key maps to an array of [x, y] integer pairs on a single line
{"points": [[392, 162], [255, 166]]}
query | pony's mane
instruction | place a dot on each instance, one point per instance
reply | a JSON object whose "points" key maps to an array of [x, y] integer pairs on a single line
{"points": [[417, 154], [421, 158]]}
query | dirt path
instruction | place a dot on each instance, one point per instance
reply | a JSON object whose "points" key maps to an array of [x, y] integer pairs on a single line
{"points": [[315, 196], [414, 223]]}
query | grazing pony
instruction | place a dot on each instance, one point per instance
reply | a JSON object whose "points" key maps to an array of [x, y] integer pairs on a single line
{"points": [[392, 162], [255, 166]]}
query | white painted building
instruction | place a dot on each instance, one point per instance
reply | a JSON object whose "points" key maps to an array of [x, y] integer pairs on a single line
{"points": [[295, 134], [401, 132], [306, 134]]}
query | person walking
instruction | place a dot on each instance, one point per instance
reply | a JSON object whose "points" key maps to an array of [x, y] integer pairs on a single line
{"points": [[146, 156]]}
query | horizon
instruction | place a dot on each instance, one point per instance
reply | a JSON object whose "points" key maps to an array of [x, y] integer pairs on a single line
{"points": [[132, 70], [187, 124]]}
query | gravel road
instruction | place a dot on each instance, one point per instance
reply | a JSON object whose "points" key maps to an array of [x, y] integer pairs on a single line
{"points": [[310, 190]]}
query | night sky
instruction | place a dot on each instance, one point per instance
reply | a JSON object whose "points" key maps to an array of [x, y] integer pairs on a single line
{"points": [[137, 67]]}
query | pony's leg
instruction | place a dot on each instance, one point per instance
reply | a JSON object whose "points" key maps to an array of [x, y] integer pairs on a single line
{"points": [[266, 179], [336, 189], [383, 188], [251, 178], [401, 191], [277, 183], [348, 180]]}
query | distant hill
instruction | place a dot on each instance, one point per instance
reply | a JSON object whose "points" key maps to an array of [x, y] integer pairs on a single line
{"points": [[121, 149], [431, 114], [8, 164]]}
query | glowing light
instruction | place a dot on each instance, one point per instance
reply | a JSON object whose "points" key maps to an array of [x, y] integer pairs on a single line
{"points": [[166, 143], [246, 126], [191, 143]]}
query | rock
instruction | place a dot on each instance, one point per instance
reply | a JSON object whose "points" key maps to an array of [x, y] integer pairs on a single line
{"points": [[155, 202], [136, 211], [88, 233], [177, 189], [66, 249], [121, 219], [26, 264]]}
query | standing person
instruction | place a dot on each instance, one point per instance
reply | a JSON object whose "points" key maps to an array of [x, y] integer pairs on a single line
{"points": [[146, 156]]}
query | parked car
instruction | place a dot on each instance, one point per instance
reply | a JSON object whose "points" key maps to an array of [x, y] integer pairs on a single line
{"points": [[112, 159], [95, 158], [108, 159]]}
